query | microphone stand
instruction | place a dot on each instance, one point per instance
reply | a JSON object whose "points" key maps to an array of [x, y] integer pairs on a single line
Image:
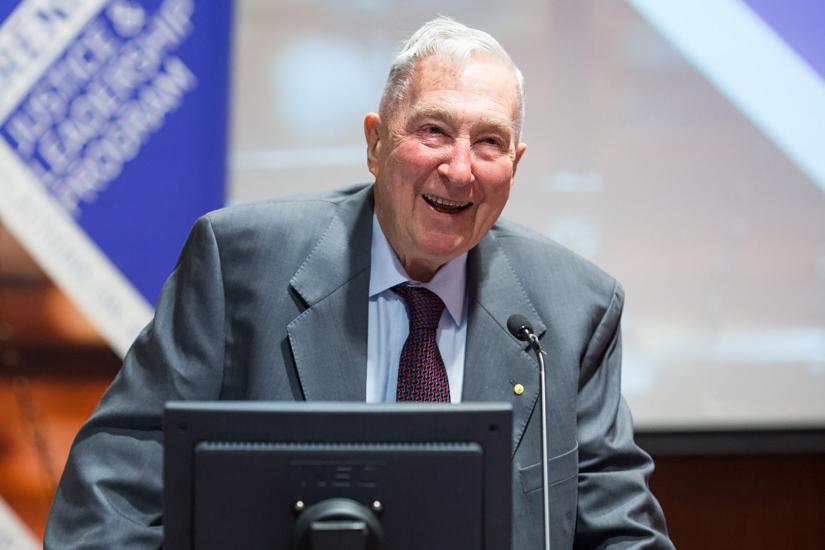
{"points": [[534, 343], [521, 329]]}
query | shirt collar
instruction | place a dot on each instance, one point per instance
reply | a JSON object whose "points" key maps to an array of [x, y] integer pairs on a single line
{"points": [[386, 271]]}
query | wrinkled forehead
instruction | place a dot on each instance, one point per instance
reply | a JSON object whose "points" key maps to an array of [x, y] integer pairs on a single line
{"points": [[477, 74]]}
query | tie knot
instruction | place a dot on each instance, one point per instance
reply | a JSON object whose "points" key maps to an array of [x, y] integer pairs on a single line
{"points": [[424, 307]]}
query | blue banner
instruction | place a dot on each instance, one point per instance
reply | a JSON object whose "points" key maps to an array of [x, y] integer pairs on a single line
{"points": [[117, 111]]}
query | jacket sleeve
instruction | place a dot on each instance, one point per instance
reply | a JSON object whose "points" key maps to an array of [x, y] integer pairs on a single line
{"points": [[110, 493], [616, 510]]}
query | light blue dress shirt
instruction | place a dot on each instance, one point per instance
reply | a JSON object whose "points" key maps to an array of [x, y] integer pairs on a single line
{"points": [[389, 323]]}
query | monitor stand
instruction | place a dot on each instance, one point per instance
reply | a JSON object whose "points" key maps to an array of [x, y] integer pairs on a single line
{"points": [[338, 524]]}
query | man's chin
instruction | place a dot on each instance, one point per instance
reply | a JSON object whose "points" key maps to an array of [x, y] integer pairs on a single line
{"points": [[441, 250]]}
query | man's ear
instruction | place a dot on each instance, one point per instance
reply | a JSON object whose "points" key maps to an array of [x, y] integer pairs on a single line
{"points": [[520, 149], [372, 132]]}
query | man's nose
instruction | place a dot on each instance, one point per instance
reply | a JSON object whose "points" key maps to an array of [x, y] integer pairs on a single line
{"points": [[457, 168]]}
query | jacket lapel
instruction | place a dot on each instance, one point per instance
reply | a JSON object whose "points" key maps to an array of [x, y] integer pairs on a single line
{"points": [[495, 360], [329, 338]]}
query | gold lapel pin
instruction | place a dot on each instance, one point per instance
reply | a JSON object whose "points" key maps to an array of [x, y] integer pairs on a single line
{"points": [[518, 389]]}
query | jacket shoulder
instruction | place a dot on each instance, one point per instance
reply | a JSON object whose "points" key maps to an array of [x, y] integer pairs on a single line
{"points": [[299, 209], [298, 221], [532, 246], [552, 272], [272, 238]]}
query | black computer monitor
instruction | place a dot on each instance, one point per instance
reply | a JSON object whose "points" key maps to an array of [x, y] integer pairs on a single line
{"points": [[317, 476]]}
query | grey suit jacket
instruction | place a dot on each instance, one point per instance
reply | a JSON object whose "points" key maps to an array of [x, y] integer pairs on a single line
{"points": [[239, 318]]}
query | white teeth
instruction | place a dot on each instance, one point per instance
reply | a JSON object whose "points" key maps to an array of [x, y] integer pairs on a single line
{"points": [[445, 202]]}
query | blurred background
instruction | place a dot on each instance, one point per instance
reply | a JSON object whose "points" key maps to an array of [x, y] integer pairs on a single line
{"points": [[678, 145]]}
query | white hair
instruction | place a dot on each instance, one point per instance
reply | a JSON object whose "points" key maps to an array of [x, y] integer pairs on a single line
{"points": [[446, 37]]}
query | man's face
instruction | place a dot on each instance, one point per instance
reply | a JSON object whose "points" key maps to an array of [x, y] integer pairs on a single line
{"points": [[444, 162]]}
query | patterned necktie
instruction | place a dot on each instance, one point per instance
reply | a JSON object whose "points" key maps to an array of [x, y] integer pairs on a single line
{"points": [[421, 372]]}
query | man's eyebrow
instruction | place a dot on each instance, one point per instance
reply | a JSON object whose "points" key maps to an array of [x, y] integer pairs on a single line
{"points": [[431, 112], [496, 124]]}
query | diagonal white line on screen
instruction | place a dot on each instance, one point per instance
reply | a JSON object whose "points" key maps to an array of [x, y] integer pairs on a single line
{"points": [[750, 64]]}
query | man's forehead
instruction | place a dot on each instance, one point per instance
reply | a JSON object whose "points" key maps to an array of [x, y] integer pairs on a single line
{"points": [[437, 69], [483, 74]]}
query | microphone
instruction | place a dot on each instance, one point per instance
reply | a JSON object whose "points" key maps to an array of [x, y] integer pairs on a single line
{"points": [[521, 329]]}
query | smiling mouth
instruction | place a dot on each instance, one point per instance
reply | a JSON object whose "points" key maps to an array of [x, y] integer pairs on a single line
{"points": [[445, 205]]}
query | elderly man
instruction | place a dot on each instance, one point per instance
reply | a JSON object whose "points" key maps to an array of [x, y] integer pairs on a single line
{"points": [[240, 316]]}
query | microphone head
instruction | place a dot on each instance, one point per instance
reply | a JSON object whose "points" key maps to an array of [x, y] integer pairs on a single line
{"points": [[520, 327]]}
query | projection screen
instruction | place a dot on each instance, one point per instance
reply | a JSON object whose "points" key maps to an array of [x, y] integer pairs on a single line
{"points": [[678, 145]]}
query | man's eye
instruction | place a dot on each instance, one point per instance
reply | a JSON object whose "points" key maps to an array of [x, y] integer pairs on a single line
{"points": [[432, 130], [494, 141]]}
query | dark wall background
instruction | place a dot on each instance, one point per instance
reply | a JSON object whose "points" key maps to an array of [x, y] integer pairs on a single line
{"points": [[747, 502]]}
